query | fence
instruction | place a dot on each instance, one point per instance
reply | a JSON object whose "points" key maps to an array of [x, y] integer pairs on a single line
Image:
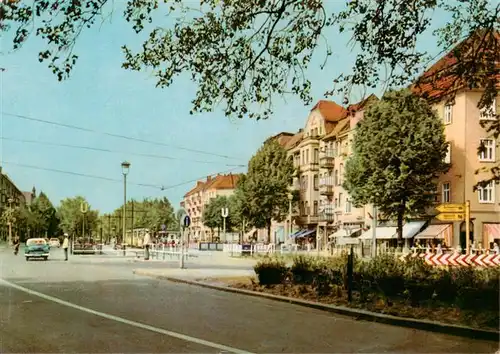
{"points": [[248, 249]]}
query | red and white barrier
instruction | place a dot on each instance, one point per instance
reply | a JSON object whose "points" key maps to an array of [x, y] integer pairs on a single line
{"points": [[457, 259]]}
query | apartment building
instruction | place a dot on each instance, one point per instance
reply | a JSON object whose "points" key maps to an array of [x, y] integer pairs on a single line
{"points": [[462, 120], [10, 196], [339, 213], [197, 199]]}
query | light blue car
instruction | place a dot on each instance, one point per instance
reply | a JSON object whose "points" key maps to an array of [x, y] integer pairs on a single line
{"points": [[36, 248]]}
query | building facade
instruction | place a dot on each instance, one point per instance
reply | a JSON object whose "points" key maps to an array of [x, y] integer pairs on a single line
{"points": [[198, 198]]}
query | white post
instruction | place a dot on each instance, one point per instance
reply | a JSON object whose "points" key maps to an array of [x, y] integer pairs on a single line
{"points": [[181, 264]]}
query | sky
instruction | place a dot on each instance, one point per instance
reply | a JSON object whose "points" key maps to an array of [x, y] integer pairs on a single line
{"points": [[102, 97]]}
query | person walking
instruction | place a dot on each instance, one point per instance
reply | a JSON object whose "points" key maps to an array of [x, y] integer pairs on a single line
{"points": [[16, 245], [146, 241], [65, 246]]}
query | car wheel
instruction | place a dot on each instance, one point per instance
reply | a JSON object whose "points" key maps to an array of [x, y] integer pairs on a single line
{"points": [[27, 259], [45, 258]]}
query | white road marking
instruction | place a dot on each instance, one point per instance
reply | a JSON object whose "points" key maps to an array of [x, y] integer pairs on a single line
{"points": [[125, 321]]}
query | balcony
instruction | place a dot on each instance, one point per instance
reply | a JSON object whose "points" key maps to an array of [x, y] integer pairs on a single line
{"points": [[308, 219], [327, 217], [327, 159], [326, 186], [314, 166]]}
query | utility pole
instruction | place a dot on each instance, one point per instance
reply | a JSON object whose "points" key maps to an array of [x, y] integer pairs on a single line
{"points": [[374, 232], [132, 227]]}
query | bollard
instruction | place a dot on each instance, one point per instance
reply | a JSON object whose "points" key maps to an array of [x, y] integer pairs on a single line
{"points": [[163, 249]]}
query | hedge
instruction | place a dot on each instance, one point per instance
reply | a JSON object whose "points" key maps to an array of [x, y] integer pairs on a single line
{"points": [[389, 278]]}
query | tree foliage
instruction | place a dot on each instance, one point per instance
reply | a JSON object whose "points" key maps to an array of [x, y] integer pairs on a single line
{"points": [[146, 214], [212, 214], [72, 218], [398, 152], [244, 53], [264, 189]]}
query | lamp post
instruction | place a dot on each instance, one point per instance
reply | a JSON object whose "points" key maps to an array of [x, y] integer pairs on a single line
{"points": [[10, 220], [290, 199], [125, 169]]}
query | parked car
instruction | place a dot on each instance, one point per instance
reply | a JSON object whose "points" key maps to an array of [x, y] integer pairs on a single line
{"points": [[54, 242], [36, 248], [84, 246]]}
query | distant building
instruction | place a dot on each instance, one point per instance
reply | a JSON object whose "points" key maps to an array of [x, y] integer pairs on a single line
{"points": [[197, 199], [30, 196]]}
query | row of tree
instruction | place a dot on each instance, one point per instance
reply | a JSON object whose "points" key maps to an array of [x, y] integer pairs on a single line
{"points": [[42, 219], [399, 151]]}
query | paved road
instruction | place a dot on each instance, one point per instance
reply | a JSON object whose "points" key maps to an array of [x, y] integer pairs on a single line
{"points": [[81, 306]]}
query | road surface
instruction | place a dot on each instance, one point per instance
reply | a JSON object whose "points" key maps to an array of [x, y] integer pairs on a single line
{"points": [[94, 304]]}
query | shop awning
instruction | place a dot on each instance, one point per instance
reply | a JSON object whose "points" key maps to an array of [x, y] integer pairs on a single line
{"points": [[383, 233], [342, 241], [491, 231], [410, 229], [306, 233], [343, 233], [297, 233], [434, 231]]}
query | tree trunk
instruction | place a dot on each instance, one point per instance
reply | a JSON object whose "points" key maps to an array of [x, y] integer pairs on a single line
{"points": [[401, 213], [269, 232]]}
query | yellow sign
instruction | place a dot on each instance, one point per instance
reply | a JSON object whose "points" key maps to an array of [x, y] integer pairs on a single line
{"points": [[451, 208], [450, 217]]}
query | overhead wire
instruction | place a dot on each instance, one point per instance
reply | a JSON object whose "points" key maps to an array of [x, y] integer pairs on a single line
{"points": [[160, 187], [116, 151], [71, 126]]}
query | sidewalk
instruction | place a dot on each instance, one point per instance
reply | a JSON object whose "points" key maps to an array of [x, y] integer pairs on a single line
{"points": [[194, 274]]}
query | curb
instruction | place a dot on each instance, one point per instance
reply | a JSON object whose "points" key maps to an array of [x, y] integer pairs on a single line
{"points": [[426, 325]]}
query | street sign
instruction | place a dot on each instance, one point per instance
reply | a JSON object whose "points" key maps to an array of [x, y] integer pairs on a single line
{"points": [[451, 208], [187, 221], [163, 227], [224, 212], [450, 217]]}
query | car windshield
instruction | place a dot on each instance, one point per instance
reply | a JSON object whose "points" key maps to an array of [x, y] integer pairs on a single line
{"points": [[36, 241]]}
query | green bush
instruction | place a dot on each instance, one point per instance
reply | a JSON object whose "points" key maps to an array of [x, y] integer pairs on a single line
{"points": [[271, 271]]}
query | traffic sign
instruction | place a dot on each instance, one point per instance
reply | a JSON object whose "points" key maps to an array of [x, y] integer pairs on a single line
{"points": [[451, 208], [450, 217], [224, 212], [187, 221]]}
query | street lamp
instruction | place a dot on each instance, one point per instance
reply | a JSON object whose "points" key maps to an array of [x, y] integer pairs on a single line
{"points": [[10, 200], [290, 200], [125, 170]]}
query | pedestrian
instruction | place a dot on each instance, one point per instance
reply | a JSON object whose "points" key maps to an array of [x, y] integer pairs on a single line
{"points": [[145, 243], [16, 245], [65, 246]]}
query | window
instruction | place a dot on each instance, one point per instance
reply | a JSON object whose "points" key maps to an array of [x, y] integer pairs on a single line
{"points": [[447, 158], [446, 192], [488, 154], [489, 113], [307, 208], [348, 205], [306, 153], [316, 156], [336, 203], [315, 208], [336, 177], [340, 200], [341, 173], [486, 194], [303, 183], [316, 182], [448, 110]]}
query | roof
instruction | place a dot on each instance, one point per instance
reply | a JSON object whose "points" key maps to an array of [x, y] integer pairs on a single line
{"points": [[282, 138], [445, 77], [28, 196], [330, 111], [353, 108], [218, 182], [338, 128], [223, 182], [294, 140]]}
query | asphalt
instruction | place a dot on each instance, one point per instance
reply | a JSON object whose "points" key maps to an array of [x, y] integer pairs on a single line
{"points": [[94, 304]]}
